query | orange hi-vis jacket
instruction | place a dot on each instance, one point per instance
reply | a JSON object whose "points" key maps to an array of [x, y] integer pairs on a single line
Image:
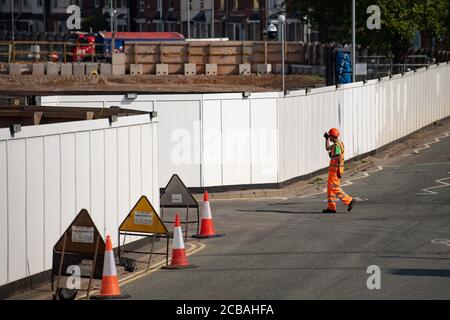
{"points": [[337, 162]]}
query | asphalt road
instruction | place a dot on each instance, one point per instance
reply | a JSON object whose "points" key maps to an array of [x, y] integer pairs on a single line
{"points": [[288, 249]]}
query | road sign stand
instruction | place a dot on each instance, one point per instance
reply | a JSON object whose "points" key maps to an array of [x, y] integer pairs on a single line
{"points": [[122, 251], [78, 248], [143, 221], [177, 196], [186, 222]]}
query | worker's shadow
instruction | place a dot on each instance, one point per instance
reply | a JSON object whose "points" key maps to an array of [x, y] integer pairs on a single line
{"points": [[293, 212]]}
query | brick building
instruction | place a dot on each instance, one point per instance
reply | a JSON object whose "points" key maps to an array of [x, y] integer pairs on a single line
{"points": [[233, 19]]}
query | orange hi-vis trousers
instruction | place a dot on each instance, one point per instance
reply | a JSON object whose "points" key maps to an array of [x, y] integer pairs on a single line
{"points": [[334, 191]]}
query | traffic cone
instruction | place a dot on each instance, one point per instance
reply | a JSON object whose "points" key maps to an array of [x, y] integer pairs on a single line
{"points": [[110, 282], [179, 259], [207, 225]]}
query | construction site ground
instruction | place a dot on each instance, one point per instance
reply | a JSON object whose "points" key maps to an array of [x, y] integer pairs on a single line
{"points": [[27, 84]]}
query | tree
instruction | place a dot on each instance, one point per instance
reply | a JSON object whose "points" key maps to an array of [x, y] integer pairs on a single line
{"points": [[401, 19], [96, 22]]}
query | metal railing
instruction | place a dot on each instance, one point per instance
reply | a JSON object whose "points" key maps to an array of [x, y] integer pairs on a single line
{"points": [[50, 51], [382, 66]]}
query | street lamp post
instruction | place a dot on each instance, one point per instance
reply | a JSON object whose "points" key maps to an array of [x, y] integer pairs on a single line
{"points": [[111, 14], [212, 18], [189, 18], [353, 40], [12, 19], [281, 22]]}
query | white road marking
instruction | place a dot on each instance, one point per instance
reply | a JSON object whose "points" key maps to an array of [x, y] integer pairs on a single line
{"points": [[346, 182], [428, 191], [441, 241], [427, 145], [416, 164]]}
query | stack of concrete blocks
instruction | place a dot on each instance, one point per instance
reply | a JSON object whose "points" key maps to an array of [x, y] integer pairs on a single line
{"points": [[66, 69], [211, 69], [162, 69], [38, 69], [105, 69], [52, 69], [245, 69], [118, 64], [263, 68], [91, 69], [135, 69], [190, 69], [79, 69]]}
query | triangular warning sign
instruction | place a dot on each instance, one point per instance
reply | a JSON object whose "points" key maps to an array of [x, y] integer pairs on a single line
{"points": [[143, 218], [82, 245], [82, 235], [176, 195]]}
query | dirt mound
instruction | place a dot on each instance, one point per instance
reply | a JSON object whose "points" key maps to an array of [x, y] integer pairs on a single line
{"points": [[155, 84]]}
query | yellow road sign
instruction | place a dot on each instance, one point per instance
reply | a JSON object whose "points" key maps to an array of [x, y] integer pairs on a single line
{"points": [[143, 218]]}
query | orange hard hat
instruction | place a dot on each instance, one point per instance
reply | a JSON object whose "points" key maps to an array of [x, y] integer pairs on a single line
{"points": [[334, 132]]}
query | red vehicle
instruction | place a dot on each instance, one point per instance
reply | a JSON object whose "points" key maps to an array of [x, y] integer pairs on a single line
{"points": [[83, 48], [98, 47]]}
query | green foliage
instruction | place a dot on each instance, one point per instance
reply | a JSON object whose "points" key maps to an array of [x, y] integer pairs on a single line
{"points": [[97, 23], [401, 19]]}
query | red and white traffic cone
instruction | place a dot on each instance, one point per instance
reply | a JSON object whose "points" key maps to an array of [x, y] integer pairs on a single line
{"points": [[110, 282], [179, 259], [207, 225]]}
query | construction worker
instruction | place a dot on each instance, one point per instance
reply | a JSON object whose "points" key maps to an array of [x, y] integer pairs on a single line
{"points": [[335, 172]]}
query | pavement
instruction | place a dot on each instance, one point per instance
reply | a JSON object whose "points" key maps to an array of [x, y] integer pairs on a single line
{"points": [[279, 245], [285, 248]]}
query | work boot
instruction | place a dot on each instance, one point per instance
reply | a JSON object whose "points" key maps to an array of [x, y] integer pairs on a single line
{"points": [[350, 205], [328, 211]]}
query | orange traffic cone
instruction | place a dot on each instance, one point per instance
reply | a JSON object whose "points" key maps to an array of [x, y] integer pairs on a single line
{"points": [[207, 225], [110, 282], [179, 259]]}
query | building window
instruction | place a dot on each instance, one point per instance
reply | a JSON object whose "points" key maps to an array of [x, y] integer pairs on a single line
{"points": [[97, 3], [255, 4], [142, 5], [222, 5], [202, 4], [39, 3], [25, 3], [236, 4]]}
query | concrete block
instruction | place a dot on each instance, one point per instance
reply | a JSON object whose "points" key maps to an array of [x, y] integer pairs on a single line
{"points": [[190, 69], [52, 69], [162, 69], [118, 69], [211, 69], [245, 69], [91, 69], [301, 69], [135, 69], [105, 69], [263, 68], [118, 58], [15, 69], [38, 69], [279, 68], [66, 69], [79, 69], [319, 70]]}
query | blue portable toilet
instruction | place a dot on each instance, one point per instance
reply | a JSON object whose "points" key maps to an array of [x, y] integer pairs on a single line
{"points": [[343, 66]]}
